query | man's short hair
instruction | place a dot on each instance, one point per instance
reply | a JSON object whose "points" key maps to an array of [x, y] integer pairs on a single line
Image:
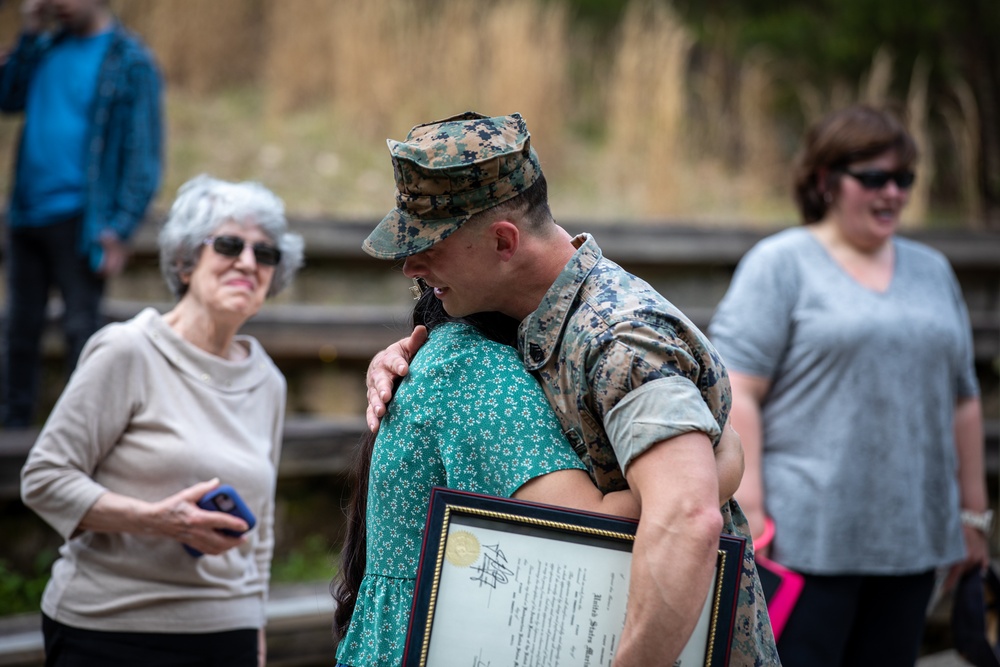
{"points": [[529, 209]]}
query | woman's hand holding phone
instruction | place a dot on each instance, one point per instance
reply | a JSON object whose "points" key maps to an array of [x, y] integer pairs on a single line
{"points": [[209, 531], [225, 499]]}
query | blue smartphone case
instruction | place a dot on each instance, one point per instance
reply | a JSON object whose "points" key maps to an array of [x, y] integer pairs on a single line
{"points": [[225, 499]]}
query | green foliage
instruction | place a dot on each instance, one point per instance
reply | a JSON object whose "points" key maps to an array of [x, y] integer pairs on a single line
{"points": [[601, 14], [821, 50], [313, 560], [21, 592], [824, 40]]}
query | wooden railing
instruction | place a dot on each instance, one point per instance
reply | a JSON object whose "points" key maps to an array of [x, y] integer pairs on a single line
{"points": [[346, 306]]}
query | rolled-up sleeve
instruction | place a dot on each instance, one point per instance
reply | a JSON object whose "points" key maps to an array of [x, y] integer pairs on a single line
{"points": [[656, 411], [654, 379]]}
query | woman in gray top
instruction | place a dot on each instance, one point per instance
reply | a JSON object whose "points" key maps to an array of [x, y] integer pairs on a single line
{"points": [[160, 410], [850, 355]]}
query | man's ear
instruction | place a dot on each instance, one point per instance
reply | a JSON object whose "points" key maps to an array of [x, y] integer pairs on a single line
{"points": [[507, 238]]}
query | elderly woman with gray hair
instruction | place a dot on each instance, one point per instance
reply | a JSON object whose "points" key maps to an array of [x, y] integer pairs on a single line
{"points": [[160, 411]]}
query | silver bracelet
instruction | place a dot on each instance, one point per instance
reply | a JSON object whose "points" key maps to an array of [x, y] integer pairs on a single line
{"points": [[981, 521]]}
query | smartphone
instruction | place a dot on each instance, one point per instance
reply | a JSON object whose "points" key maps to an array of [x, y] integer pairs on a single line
{"points": [[225, 499]]}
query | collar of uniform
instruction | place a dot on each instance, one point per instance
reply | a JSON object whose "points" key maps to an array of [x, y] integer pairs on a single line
{"points": [[538, 334]]}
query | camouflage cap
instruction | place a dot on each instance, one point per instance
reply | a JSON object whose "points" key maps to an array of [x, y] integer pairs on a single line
{"points": [[447, 171]]}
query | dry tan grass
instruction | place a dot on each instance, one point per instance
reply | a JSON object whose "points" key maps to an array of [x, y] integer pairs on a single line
{"points": [[875, 85], [301, 95], [645, 99], [529, 62], [915, 214], [962, 122], [763, 162], [389, 64], [201, 46], [9, 22], [9, 124], [296, 70]]}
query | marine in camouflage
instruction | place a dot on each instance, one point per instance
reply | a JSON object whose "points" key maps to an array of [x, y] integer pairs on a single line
{"points": [[601, 333], [448, 170]]}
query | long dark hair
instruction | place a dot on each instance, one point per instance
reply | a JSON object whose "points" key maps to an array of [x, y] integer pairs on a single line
{"points": [[346, 584]]}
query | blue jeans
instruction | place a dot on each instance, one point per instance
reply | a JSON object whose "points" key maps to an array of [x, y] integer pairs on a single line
{"points": [[39, 258]]}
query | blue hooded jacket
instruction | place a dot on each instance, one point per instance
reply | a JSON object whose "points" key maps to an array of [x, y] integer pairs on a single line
{"points": [[125, 135]]}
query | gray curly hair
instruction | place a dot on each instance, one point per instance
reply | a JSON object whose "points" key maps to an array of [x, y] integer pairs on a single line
{"points": [[202, 205]]}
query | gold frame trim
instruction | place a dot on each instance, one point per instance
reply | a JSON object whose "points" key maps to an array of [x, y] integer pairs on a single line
{"points": [[504, 516]]}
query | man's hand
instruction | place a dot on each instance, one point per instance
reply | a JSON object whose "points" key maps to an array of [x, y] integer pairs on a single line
{"points": [[115, 255], [729, 462], [391, 363]]}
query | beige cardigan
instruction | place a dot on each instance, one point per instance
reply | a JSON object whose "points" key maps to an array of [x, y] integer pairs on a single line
{"points": [[147, 414]]}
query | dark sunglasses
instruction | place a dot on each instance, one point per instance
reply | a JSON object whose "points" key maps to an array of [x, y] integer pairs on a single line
{"points": [[232, 246], [875, 179]]}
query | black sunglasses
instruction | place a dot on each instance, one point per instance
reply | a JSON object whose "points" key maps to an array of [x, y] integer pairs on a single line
{"points": [[875, 179], [232, 246]]}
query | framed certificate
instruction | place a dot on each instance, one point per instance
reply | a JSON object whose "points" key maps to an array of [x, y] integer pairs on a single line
{"points": [[513, 583]]}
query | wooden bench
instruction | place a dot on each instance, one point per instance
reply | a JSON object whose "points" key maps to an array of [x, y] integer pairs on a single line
{"points": [[299, 621], [314, 447], [311, 447]]}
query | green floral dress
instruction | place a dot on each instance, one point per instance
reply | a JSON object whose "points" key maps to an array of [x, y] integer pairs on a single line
{"points": [[468, 416]]}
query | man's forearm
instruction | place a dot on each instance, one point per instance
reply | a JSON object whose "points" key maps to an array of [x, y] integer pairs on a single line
{"points": [[670, 580], [675, 548]]}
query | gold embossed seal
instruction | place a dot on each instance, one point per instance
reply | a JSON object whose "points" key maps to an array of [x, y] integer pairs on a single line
{"points": [[462, 549]]}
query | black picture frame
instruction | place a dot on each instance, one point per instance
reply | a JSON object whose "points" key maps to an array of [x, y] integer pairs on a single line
{"points": [[456, 518]]}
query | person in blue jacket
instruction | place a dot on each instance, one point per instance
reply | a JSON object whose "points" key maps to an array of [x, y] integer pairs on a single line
{"points": [[88, 164]]}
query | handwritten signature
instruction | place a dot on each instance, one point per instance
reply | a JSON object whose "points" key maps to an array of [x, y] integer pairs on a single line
{"points": [[493, 570]]}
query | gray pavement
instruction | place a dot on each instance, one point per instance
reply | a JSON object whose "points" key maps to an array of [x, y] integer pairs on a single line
{"points": [[943, 659]]}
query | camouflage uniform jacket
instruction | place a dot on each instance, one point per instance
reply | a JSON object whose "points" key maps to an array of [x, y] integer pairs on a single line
{"points": [[601, 333]]}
